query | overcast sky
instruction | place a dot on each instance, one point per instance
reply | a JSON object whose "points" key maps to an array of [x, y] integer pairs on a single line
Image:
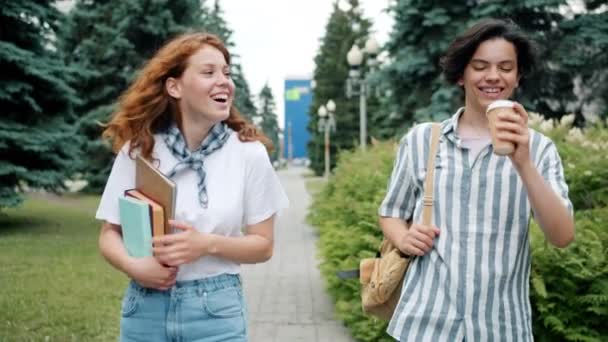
{"points": [[280, 38]]}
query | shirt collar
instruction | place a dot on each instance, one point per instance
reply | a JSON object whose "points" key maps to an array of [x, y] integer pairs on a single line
{"points": [[450, 126]]}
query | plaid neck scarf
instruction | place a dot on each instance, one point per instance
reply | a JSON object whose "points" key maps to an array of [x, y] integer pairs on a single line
{"points": [[218, 135]]}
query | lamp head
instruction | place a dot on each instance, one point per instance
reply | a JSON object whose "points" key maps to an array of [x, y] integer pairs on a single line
{"points": [[322, 111], [371, 46], [354, 56]]}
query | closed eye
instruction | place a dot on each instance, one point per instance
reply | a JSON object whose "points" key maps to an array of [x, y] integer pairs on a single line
{"points": [[478, 65]]}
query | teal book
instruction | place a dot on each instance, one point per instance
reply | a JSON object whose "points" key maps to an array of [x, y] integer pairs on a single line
{"points": [[136, 223]]}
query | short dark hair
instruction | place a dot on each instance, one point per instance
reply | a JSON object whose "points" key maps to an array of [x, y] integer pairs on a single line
{"points": [[461, 50]]}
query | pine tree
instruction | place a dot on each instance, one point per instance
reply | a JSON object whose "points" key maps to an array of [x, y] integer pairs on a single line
{"points": [[581, 52], [330, 74], [420, 35], [37, 143], [268, 119], [242, 97], [107, 42], [215, 23], [423, 30]]}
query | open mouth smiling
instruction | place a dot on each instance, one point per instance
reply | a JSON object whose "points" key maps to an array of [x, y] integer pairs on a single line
{"points": [[220, 98], [491, 91]]}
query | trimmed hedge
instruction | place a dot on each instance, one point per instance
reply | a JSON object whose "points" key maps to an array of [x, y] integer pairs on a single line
{"points": [[345, 213], [569, 287]]}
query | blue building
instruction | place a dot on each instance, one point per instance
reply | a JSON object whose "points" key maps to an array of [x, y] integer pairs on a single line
{"points": [[298, 97]]}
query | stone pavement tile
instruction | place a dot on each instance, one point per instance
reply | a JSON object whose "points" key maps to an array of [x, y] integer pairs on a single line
{"points": [[296, 333], [286, 296], [304, 317], [332, 332], [262, 332]]}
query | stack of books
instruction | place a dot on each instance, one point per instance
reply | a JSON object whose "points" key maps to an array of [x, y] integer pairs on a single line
{"points": [[146, 210]]}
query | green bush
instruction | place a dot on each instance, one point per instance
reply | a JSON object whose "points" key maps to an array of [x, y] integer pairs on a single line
{"points": [[569, 287], [345, 213], [584, 154]]}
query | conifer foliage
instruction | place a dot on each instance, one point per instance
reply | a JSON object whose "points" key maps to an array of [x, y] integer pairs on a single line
{"points": [[37, 142], [572, 40], [343, 29], [107, 42], [214, 22], [268, 119]]}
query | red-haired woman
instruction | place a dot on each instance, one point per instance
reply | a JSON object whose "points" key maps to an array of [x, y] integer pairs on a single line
{"points": [[179, 114]]}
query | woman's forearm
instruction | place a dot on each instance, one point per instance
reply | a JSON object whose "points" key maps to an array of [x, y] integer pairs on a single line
{"points": [[112, 247], [252, 248], [248, 249], [549, 211], [190, 244]]}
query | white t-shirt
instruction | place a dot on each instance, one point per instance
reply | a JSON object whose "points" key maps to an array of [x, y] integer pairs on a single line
{"points": [[475, 144], [242, 188]]}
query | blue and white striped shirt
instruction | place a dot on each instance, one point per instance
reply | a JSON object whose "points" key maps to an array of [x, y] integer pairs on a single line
{"points": [[474, 283]]}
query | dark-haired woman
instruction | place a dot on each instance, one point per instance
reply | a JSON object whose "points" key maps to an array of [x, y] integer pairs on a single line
{"points": [[469, 279], [178, 113]]}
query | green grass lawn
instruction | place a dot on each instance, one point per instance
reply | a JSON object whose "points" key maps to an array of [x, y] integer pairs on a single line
{"points": [[55, 285]]}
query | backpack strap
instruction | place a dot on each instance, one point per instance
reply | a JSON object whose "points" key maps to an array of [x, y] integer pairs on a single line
{"points": [[427, 200], [427, 209]]}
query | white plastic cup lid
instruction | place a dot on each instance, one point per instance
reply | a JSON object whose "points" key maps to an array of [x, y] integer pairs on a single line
{"points": [[500, 104]]}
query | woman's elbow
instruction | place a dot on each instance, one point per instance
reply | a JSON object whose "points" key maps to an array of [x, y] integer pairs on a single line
{"points": [[267, 253], [107, 230], [101, 239]]}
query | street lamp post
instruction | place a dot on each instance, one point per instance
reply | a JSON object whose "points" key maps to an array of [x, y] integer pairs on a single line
{"points": [[356, 84], [327, 124]]}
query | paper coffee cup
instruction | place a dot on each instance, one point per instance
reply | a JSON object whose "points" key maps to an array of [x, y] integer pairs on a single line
{"points": [[501, 147]]}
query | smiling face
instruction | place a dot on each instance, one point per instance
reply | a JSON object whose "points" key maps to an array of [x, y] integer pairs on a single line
{"points": [[205, 90], [491, 74]]}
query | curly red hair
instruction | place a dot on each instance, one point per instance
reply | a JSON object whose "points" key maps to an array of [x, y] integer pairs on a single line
{"points": [[146, 108]]}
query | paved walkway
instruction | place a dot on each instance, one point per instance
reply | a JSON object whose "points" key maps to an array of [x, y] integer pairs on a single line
{"points": [[286, 296]]}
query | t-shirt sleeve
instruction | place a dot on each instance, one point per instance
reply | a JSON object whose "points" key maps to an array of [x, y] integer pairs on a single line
{"points": [[553, 172], [122, 177], [400, 194], [264, 194]]}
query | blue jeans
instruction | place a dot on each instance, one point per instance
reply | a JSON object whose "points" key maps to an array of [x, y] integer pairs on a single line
{"points": [[204, 310]]}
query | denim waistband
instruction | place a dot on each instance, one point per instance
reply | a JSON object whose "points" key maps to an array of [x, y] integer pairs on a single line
{"points": [[214, 283], [209, 284]]}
